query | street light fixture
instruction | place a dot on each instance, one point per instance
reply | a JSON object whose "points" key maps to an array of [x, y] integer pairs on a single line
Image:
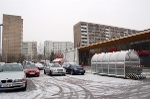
{"points": [[0, 39]]}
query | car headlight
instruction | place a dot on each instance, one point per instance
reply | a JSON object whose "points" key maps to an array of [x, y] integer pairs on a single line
{"points": [[54, 70], [19, 80], [23, 80], [37, 71]]}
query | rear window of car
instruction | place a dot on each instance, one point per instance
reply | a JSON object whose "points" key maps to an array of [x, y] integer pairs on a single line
{"points": [[11, 67], [30, 66]]}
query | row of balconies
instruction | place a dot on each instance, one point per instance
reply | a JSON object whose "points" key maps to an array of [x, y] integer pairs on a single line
{"points": [[110, 29]]}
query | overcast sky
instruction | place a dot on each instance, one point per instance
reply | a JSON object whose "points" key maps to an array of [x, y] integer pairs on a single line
{"points": [[54, 19]]}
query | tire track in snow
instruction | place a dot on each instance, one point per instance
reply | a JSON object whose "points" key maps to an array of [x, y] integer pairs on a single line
{"points": [[41, 87], [62, 85], [72, 92], [79, 82]]}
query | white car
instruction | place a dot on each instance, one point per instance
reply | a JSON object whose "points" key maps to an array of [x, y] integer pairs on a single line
{"points": [[2, 63], [40, 66], [54, 69], [12, 76]]}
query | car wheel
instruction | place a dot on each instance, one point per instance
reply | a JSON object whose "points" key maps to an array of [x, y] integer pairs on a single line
{"points": [[82, 73], [38, 75], [64, 74], [72, 72], [50, 73], [44, 72]]}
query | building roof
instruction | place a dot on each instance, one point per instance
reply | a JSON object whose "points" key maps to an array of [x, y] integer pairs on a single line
{"points": [[143, 35]]}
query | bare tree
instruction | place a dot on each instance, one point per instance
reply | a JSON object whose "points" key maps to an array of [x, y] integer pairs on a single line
{"points": [[52, 56], [40, 57], [40, 48]]}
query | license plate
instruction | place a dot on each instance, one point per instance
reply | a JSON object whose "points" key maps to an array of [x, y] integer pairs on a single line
{"points": [[32, 73], [7, 85], [81, 70]]}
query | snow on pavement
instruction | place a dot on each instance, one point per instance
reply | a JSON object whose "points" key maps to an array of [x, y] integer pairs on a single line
{"points": [[88, 86]]}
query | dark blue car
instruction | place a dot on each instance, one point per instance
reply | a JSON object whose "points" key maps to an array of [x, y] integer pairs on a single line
{"points": [[73, 68]]}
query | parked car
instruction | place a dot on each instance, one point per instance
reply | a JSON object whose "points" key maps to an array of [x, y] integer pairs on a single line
{"points": [[54, 69], [58, 60], [2, 63], [73, 68], [31, 70], [12, 76], [65, 64], [40, 66]]}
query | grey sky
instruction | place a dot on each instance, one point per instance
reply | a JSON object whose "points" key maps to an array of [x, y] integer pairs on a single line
{"points": [[54, 19]]}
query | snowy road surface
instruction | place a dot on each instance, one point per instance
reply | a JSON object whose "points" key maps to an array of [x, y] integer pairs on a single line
{"points": [[88, 86]]}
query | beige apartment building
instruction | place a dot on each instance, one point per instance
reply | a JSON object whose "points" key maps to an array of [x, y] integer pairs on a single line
{"points": [[12, 35], [86, 33]]}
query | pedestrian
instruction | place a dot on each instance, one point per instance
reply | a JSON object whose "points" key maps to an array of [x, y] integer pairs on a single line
{"points": [[82, 64]]}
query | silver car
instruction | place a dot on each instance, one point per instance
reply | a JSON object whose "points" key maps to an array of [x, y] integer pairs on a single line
{"points": [[40, 66], [12, 76], [54, 69]]}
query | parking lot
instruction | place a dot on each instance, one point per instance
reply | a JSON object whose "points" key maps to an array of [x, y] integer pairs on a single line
{"points": [[88, 86]]}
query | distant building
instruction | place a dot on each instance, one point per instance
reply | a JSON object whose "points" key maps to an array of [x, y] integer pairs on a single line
{"points": [[25, 50], [56, 47], [88, 33], [12, 35], [29, 50]]}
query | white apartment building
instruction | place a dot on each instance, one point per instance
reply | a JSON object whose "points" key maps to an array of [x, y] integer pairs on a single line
{"points": [[56, 47], [29, 50]]}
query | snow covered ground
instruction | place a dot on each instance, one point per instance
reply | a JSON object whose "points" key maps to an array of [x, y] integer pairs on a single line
{"points": [[88, 86]]}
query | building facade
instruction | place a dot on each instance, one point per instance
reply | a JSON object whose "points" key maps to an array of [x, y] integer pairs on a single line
{"points": [[29, 50], [12, 35], [88, 33], [56, 47], [25, 50]]}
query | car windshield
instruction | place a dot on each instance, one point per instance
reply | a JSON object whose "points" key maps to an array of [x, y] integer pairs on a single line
{"points": [[11, 67], [55, 65], [30, 66]]}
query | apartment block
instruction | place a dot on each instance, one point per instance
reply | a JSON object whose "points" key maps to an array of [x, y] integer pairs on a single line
{"points": [[29, 50], [56, 47], [88, 33], [25, 50], [12, 35]]}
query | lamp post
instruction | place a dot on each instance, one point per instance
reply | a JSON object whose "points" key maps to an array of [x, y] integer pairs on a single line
{"points": [[0, 41]]}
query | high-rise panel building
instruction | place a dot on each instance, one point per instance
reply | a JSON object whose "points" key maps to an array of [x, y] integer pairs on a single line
{"points": [[29, 50], [56, 47], [12, 35], [88, 33], [25, 50], [48, 48]]}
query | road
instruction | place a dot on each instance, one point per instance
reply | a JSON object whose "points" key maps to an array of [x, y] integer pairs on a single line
{"points": [[88, 86]]}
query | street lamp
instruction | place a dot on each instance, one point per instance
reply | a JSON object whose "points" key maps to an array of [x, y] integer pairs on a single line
{"points": [[0, 40]]}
